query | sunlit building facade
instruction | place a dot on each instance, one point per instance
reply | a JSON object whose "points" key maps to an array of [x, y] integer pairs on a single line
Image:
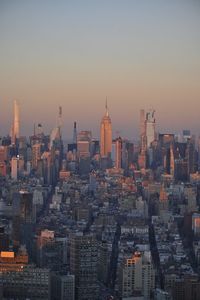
{"points": [[106, 135], [15, 125]]}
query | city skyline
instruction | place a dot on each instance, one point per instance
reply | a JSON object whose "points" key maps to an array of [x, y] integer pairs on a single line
{"points": [[99, 149], [141, 55], [68, 133]]}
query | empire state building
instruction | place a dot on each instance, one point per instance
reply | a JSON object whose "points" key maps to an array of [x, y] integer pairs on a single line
{"points": [[106, 135]]}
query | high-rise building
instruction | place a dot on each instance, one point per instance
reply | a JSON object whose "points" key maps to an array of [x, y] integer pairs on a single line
{"points": [[117, 153], [3, 160], [186, 135], [14, 168], [83, 264], [147, 129], [63, 287], [104, 262], [74, 134], [27, 283], [147, 136], [190, 156], [15, 125], [142, 131], [137, 276], [150, 123], [84, 139], [36, 155], [106, 135]]}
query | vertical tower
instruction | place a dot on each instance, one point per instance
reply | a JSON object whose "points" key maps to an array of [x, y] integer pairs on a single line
{"points": [[15, 126], [74, 134], [14, 168], [117, 153], [172, 163], [106, 134], [150, 127], [137, 275], [83, 264], [143, 140]]}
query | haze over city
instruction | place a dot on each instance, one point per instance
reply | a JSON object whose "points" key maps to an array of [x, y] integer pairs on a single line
{"points": [[99, 150], [140, 54]]}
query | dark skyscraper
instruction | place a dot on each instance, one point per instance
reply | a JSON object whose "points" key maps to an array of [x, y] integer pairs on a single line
{"points": [[83, 264], [74, 134]]}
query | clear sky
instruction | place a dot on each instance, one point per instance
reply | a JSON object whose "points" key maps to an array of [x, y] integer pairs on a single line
{"points": [[74, 53]]}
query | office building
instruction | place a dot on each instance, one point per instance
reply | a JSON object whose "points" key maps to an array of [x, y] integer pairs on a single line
{"points": [[106, 135], [83, 264], [62, 287], [14, 168], [137, 276], [28, 283]]}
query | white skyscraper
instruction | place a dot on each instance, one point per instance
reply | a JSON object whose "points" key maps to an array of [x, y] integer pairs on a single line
{"points": [[150, 123]]}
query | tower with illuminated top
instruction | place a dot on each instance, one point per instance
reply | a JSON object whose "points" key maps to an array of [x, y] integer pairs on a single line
{"points": [[106, 135]]}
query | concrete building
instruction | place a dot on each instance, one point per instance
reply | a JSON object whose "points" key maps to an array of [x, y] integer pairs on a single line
{"points": [[63, 287], [117, 153], [28, 283], [14, 168], [137, 276]]}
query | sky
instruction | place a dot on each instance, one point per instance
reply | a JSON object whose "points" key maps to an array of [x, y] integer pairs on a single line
{"points": [[75, 53]]}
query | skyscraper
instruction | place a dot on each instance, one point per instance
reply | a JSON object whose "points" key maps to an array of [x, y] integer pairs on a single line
{"points": [[137, 276], [15, 125], [142, 130], [14, 167], [150, 127], [106, 135], [143, 140], [83, 264], [117, 153], [74, 134], [147, 136]]}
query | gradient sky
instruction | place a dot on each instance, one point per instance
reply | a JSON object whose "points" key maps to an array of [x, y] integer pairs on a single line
{"points": [[140, 54]]}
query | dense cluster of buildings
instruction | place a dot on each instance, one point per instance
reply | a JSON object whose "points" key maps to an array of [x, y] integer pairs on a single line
{"points": [[99, 219]]}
